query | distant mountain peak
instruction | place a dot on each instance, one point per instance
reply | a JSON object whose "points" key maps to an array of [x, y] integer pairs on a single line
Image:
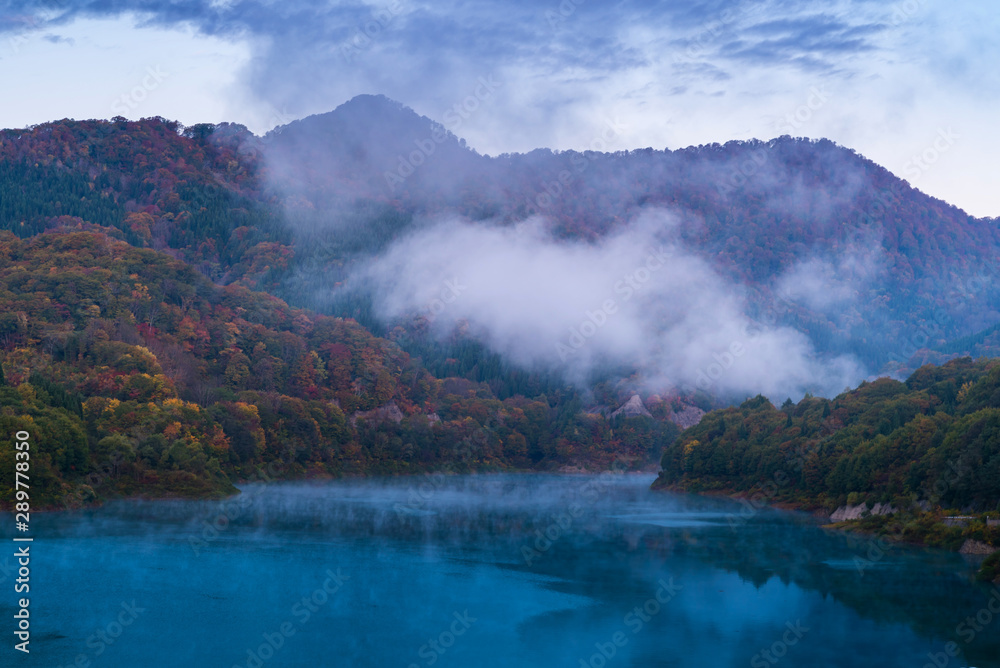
{"points": [[363, 110], [369, 139], [374, 101]]}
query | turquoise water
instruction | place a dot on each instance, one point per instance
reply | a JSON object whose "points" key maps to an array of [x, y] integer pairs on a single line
{"points": [[458, 571]]}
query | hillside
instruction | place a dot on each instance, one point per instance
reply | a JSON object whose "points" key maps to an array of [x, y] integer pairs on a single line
{"points": [[817, 237], [928, 448], [820, 238], [134, 374]]}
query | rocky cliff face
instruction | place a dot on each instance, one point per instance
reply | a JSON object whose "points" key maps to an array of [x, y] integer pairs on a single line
{"points": [[849, 512], [688, 417], [632, 408], [971, 546]]}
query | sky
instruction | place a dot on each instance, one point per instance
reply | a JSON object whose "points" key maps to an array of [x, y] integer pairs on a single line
{"points": [[912, 85]]}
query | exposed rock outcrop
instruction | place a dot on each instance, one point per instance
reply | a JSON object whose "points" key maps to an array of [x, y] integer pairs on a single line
{"points": [[389, 411], [632, 408], [688, 417], [971, 546], [850, 512]]}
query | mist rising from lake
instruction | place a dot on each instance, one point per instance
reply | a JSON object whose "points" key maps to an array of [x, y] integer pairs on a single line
{"points": [[497, 570]]}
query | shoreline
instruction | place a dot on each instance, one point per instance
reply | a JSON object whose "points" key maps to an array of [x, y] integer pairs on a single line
{"points": [[869, 525], [98, 503]]}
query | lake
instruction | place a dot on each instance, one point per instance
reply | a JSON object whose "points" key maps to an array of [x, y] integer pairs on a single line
{"points": [[483, 571]]}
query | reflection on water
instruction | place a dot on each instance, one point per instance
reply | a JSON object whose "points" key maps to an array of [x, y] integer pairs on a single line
{"points": [[499, 570]]}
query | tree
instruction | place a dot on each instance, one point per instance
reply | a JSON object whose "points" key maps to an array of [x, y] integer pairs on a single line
{"points": [[116, 450]]}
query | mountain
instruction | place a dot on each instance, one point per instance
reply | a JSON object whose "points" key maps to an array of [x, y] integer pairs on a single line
{"points": [[134, 374], [370, 147], [802, 236], [838, 246], [819, 238]]}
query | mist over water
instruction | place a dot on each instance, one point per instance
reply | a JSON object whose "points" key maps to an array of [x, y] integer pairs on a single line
{"points": [[485, 570]]}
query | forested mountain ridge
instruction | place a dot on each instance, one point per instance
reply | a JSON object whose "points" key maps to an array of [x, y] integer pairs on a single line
{"points": [[901, 273], [157, 183], [134, 374], [822, 239], [110, 344]]}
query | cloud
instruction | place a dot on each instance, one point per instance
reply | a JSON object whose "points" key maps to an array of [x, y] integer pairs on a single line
{"points": [[58, 39], [719, 69], [315, 54], [639, 299], [824, 284]]}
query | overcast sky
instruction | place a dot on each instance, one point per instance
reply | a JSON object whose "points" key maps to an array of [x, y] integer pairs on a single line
{"points": [[914, 79]]}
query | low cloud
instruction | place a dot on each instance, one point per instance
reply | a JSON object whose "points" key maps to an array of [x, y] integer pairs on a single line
{"points": [[639, 300], [824, 284]]}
